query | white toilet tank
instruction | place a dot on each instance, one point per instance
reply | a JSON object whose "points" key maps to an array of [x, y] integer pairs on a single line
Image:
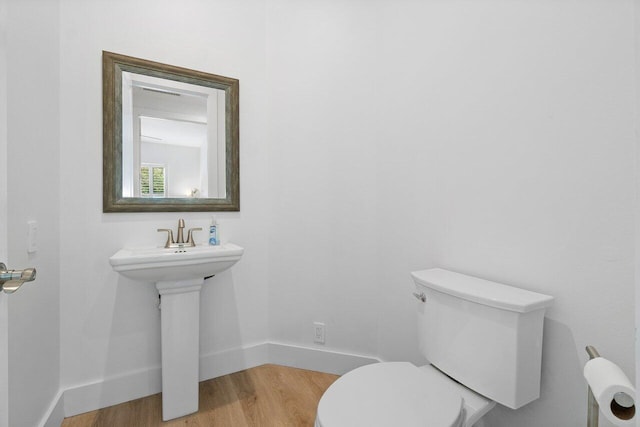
{"points": [[485, 335]]}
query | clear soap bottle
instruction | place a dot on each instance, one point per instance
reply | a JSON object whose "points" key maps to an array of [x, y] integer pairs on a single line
{"points": [[213, 232]]}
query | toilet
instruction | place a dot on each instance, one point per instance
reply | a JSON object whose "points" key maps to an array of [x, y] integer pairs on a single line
{"points": [[484, 343]]}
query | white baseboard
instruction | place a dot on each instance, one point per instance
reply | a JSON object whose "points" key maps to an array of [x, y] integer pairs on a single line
{"points": [[126, 387], [55, 415], [226, 362], [112, 391], [316, 359]]}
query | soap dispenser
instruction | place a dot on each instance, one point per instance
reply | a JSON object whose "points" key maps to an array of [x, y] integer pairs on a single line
{"points": [[213, 232]]}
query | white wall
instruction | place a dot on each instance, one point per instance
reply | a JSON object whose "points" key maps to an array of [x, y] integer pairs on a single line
{"points": [[493, 138], [110, 325], [4, 307], [324, 235], [636, 15], [32, 132], [519, 121]]}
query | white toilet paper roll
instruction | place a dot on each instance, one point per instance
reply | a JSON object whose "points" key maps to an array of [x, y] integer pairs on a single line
{"points": [[613, 391]]}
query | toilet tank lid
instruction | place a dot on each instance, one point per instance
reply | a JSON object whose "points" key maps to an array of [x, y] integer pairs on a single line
{"points": [[481, 291]]}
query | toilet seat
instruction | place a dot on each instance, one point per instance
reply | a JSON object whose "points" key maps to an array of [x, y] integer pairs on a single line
{"points": [[391, 394]]}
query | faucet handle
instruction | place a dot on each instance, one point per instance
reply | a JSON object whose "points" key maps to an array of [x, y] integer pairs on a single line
{"points": [[169, 236], [190, 241]]}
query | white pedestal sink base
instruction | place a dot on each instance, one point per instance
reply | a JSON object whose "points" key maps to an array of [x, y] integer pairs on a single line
{"points": [[180, 326], [178, 274]]}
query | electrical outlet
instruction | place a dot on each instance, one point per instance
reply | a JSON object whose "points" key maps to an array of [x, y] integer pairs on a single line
{"points": [[318, 332]]}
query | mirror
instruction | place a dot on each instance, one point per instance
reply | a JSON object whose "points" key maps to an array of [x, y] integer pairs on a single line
{"points": [[170, 138]]}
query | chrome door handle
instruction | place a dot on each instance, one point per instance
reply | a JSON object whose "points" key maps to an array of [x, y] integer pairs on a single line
{"points": [[11, 280], [421, 296]]}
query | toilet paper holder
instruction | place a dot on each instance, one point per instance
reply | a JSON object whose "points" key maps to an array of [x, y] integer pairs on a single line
{"points": [[622, 406], [593, 410]]}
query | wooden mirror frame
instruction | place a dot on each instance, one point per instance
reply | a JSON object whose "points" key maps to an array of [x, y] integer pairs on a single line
{"points": [[112, 67]]}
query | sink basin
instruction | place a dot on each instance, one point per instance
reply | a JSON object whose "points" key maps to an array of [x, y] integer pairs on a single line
{"points": [[178, 274], [175, 264]]}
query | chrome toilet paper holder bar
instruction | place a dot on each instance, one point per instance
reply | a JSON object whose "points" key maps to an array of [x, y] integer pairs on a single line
{"points": [[609, 386], [593, 409]]}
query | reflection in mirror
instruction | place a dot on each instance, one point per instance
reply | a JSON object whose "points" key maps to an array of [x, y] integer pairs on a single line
{"points": [[172, 137]]}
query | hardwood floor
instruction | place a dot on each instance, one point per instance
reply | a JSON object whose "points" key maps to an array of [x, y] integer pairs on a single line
{"points": [[265, 396]]}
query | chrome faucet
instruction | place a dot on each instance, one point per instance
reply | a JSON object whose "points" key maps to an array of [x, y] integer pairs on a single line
{"points": [[179, 242], [180, 238]]}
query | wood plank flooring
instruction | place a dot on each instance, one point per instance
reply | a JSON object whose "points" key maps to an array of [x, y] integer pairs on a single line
{"points": [[265, 396]]}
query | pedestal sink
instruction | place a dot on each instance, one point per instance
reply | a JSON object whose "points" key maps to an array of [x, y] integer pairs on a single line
{"points": [[178, 274]]}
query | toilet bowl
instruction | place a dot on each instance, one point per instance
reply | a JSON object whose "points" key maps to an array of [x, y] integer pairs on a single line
{"points": [[399, 394], [484, 342]]}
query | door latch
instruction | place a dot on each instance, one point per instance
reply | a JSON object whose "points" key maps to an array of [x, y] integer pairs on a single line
{"points": [[11, 280]]}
